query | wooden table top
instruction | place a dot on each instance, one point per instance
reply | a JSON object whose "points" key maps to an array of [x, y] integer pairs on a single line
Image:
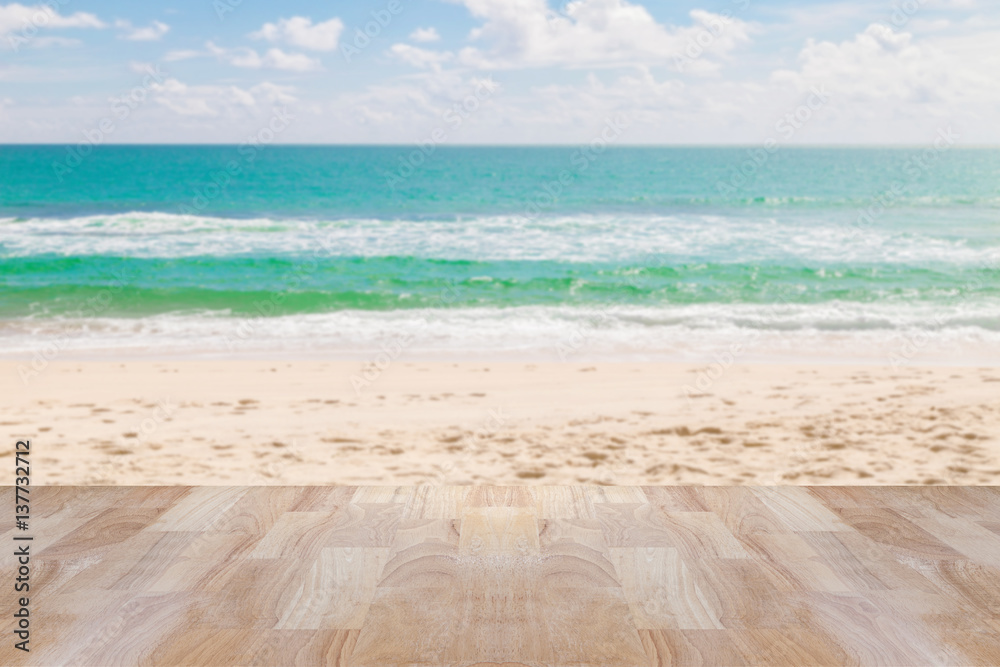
{"points": [[524, 575]]}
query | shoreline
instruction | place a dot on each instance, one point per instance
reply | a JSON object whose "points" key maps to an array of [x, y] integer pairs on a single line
{"points": [[899, 352], [281, 422], [475, 357], [54, 349]]}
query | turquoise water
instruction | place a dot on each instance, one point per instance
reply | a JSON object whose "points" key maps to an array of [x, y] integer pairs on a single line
{"points": [[659, 251]]}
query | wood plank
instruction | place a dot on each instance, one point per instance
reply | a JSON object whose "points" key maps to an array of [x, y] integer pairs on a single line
{"points": [[335, 592], [662, 591], [200, 508], [799, 509], [516, 576], [899, 535], [436, 502], [488, 531]]}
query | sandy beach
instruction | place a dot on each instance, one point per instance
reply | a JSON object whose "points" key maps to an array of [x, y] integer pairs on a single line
{"points": [[315, 422]]}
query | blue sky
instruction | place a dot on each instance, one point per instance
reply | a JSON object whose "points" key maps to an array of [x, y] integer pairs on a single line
{"points": [[501, 71]]}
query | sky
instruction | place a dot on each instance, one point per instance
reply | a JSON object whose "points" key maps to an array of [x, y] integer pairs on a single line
{"points": [[754, 72]]}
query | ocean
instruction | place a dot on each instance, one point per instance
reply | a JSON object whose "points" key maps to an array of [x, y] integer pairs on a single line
{"points": [[675, 254]]}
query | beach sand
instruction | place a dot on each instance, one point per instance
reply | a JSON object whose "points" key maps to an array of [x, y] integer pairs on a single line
{"points": [[308, 422]]}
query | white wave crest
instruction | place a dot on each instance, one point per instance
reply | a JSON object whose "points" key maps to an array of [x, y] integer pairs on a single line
{"points": [[581, 238]]}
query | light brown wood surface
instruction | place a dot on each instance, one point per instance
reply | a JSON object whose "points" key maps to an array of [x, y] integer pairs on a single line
{"points": [[510, 575]]}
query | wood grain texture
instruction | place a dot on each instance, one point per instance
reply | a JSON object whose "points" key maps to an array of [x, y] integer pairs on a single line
{"points": [[372, 576]]}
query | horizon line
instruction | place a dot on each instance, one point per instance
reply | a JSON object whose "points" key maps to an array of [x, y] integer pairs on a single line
{"points": [[482, 145]]}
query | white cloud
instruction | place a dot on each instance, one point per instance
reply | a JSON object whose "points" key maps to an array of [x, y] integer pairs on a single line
{"points": [[299, 31], [25, 20], [885, 86], [417, 57], [406, 110], [926, 26], [152, 33], [425, 35], [272, 59], [294, 62], [188, 100], [882, 87], [219, 101], [882, 64], [274, 93], [44, 42], [183, 54], [591, 33]]}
